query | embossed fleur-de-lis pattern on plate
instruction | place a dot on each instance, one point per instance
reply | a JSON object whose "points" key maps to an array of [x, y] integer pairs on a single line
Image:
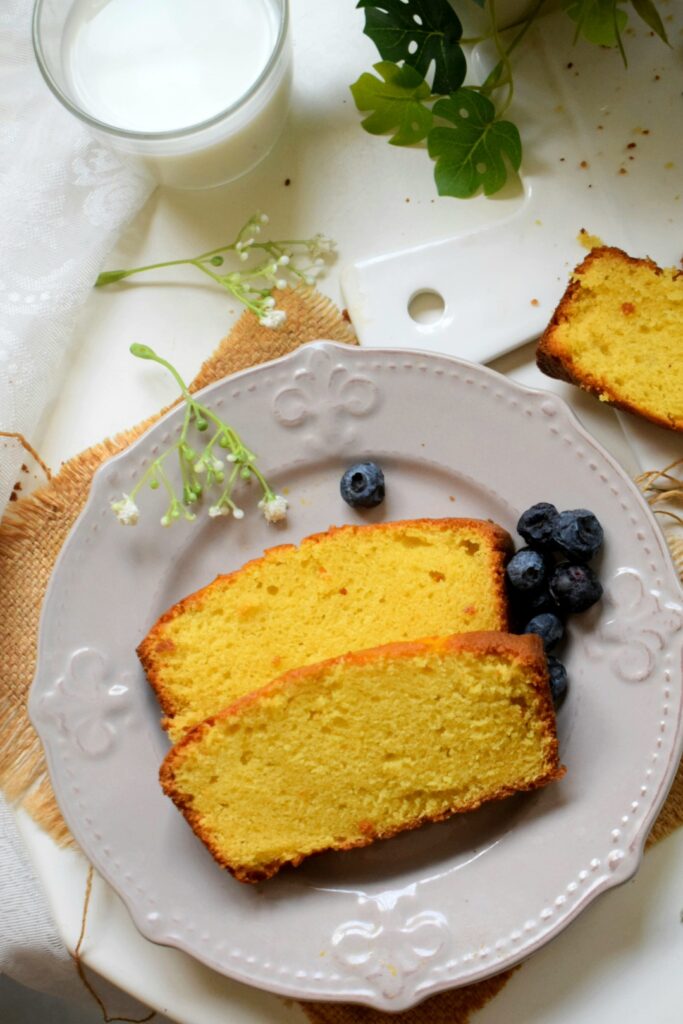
{"points": [[636, 627], [89, 702], [386, 945], [326, 398]]}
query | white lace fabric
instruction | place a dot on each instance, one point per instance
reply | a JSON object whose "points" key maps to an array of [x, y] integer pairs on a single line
{"points": [[64, 198]]}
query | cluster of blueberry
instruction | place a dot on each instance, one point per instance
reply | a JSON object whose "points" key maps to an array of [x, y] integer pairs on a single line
{"points": [[543, 591]]}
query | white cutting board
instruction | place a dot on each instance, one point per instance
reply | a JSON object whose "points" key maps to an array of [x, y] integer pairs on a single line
{"points": [[603, 150]]}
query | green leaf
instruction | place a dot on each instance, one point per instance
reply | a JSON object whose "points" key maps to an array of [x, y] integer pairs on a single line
{"points": [[471, 154], [646, 10], [395, 102], [599, 21], [419, 32]]}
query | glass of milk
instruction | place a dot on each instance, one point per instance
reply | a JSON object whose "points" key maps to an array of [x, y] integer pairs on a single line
{"points": [[196, 89]]}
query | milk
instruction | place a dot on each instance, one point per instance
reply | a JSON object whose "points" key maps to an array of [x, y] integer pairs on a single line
{"points": [[167, 66]]}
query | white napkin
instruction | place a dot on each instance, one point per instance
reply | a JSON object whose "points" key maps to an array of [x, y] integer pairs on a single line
{"points": [[64, 198]]}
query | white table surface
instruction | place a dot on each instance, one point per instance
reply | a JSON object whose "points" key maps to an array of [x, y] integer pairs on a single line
{"points": [[621, 959]]}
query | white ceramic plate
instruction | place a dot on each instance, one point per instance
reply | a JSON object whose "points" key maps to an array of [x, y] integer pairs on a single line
{"points": [[451, 903]]}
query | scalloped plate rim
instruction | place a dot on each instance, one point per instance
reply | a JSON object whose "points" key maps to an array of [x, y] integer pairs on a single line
{"points": [[636, 850]]}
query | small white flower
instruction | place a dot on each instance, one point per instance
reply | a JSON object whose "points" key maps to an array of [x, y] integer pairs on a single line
{"points": [[219, 510], [208, 461], [273, 318], [269, 303], [165, 520], [308, 279], [238, 513], [126, 511], [320, 262], [239, 246], [244, 256], [284, 260], [274, 509], [231, 457], [281, 283], [321, 244], [264, 218]]}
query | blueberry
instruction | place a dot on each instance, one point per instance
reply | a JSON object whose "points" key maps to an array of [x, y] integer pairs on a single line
{"points": [[534, 604], [536, 525], [575, 587], [578, 534], [527, 571], [362, 485], [549, 627], [557, 677]]}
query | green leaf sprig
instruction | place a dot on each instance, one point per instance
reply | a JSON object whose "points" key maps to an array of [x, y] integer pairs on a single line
{"points": [[473, 146], [279, 263], [218, 464]]}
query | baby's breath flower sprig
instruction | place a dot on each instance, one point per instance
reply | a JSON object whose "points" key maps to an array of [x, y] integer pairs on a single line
{"points": [[277, 264], [222, 461]]}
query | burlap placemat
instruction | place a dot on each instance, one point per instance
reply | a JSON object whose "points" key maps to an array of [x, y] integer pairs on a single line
{"points": [[31, 536]]}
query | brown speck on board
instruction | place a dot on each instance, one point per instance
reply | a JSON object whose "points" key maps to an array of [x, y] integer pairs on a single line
{"points": [[570, 65], [288, 181], [632, 145], [583, 165], [24, 468], [535, 302], [599, 127], [622, 170], [407, 200], [345, 315], [562, 159], [451, 497], [657, 78]]}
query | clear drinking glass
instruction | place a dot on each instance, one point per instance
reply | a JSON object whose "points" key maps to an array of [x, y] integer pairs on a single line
{"points": [[198, 90]]}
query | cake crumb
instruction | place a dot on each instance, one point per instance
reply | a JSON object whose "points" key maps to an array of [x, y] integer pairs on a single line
{"points": [[589, 241], [535, 302]]}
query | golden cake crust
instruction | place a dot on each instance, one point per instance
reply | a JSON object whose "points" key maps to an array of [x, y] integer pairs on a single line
{"points": [[554, 358], [526, 648], [150, 651]]}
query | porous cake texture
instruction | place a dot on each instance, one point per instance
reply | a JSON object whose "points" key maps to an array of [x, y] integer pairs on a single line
{"points": [[348, 589], [357, 748], [618, 333]]}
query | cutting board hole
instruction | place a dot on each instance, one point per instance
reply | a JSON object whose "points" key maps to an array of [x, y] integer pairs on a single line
{"points": [[426, 307]]}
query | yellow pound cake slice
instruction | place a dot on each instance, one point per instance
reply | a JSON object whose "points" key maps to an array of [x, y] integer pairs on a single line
{"points": [[347, 589], [618, 333], [358, 748]]}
